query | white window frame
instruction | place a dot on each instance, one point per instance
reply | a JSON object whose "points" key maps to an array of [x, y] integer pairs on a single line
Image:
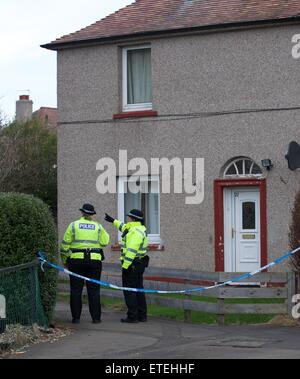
{"points": [[132, 107], [152, 238]]}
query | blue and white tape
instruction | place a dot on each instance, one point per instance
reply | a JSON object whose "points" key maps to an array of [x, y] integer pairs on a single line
{"points": [[277, 261]]}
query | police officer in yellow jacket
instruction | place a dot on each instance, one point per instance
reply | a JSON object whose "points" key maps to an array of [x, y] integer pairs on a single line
{"points": [[134, 261], [81, 252]]}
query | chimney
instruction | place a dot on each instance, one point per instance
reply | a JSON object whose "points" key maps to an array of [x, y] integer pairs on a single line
{"points": [[24, 109]]}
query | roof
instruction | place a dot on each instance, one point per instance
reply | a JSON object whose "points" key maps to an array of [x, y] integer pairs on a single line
{"points": [[149, 16], [48, 116]]}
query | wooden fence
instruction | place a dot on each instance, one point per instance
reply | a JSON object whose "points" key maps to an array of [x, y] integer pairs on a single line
{"points": [[263, 286]]}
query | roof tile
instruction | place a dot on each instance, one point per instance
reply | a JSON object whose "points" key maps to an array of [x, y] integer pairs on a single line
{"points": [[163, 15]]}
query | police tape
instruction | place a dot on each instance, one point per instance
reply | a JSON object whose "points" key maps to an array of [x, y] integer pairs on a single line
{"points": [[277, 261]]}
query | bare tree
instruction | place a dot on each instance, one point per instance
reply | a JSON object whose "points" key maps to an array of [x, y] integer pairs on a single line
{"points": [[8, 150], [8, 156], [28, 159], [2, 120], [295, 235]]}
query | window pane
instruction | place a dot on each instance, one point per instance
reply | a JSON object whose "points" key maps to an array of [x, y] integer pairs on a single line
{"points": [[240, 167], [248, 165], [151, 212], [231, 170], [139, 76], [147, 201], [256, 170], [132, 201], [249, 215]]}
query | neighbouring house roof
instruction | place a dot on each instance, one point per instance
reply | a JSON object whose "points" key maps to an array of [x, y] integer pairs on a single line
{"points": [[151, 16], [48, 116]]}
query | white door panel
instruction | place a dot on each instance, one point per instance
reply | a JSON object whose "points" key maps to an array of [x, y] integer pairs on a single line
{"points": [[248, 253], [242, 229]]}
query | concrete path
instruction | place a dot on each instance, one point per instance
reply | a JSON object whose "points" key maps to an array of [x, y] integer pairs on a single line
{"points": [[163, 339]]}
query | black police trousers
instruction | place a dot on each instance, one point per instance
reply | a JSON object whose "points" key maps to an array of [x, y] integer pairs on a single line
{"points": [[90, 269], [135, 301]]}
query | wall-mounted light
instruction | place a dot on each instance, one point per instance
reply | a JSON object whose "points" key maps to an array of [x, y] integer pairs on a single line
{"points": [[267, 163]]}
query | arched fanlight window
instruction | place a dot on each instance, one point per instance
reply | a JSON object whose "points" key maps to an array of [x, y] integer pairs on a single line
{"points": [[242, 167]]}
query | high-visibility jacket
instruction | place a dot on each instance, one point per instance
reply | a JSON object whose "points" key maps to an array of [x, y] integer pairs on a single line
{"points": [[134, 241], [84, 234]]}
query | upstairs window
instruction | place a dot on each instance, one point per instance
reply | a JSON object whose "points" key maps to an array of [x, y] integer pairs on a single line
{"points": [[137, 79]]}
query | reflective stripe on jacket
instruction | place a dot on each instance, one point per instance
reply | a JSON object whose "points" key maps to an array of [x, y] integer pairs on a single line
{"points": [[134, 242], [83, 234]]}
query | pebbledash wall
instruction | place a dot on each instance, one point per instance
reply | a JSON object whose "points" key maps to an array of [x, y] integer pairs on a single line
{"points": [[224, 71]]}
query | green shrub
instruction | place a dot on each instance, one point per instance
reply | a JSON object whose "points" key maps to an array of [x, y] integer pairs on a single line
{"points": [[27, 226]]}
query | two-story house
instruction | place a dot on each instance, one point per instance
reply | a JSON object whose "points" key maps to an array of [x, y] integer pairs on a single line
{"points": [[212, 79]]}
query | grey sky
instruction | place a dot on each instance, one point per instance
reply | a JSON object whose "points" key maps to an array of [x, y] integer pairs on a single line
{"points": [[25, 25]]}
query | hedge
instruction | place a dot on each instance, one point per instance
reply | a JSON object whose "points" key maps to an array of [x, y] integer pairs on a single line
{"points": [[27, 226]]}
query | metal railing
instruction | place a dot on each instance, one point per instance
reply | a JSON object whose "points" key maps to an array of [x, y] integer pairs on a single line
{"points": [[20, 287]]}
